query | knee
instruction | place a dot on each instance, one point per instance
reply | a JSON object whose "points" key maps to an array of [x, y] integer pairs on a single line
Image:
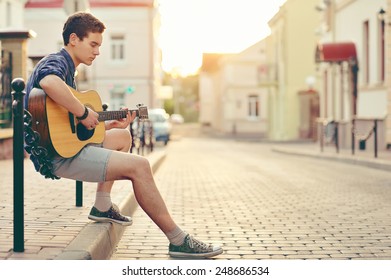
{"points": [[118, 140], [144, 167], [126, 139]]}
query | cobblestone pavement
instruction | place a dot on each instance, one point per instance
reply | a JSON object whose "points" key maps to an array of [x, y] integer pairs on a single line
{"points": [[260, 204], [51, 218], [52, 222]]}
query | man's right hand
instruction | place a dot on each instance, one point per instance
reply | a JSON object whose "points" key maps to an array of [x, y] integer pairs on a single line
{"points": [[92, 119]]}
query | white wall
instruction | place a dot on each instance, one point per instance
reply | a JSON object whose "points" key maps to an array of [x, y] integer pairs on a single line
{"points": [[139, 69], [349, 27], [372, 104], [11, 13], [239, 80], [48, 25], [206, 99]]}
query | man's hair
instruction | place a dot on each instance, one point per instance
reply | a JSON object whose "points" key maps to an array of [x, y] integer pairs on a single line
{"points": [[81, 24]]}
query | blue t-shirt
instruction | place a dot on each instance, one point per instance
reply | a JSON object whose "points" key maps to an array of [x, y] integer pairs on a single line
{"points": [[59, 64]]}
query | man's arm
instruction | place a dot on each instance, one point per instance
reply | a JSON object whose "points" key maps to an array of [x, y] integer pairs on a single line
{"points": [[57, 90]]}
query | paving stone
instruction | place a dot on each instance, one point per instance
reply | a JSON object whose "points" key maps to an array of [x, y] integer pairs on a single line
{"points": [[270, 206], [258, 203]]}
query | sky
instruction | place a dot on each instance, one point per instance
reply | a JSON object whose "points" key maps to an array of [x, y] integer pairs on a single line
{"points": [[192, 27]]}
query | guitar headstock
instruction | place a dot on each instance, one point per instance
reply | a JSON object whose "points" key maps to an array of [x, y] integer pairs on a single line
{"points": [[142, 111]]}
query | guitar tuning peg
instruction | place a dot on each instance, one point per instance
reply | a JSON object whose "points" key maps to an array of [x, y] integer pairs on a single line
{"points": [[105, 106]]}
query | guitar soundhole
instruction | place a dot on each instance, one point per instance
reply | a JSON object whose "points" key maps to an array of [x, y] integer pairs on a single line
{"points": [[83, 133]]}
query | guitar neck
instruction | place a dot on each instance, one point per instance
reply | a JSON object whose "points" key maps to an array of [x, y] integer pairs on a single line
{"points": [[115, 115]]}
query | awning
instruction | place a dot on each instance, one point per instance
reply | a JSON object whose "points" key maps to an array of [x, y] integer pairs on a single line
{"points": [[335, 52]]}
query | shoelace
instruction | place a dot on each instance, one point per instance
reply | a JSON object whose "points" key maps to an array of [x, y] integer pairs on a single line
{"points": [[116, 215], [198, 245]]}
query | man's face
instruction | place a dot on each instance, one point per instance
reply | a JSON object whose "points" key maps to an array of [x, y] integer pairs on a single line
{"points": [[86, 50]]}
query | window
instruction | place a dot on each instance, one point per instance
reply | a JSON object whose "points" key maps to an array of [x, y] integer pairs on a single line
{"points": [[253, 106], [366, 51], [76, 5], [117, 47], [8, 19], [381, 42], [328, 14]]}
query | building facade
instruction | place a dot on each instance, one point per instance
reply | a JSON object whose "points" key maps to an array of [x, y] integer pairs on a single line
{"points": [[232, 99], [127, 72], [352, 68], [294, 103], [269, 89]]}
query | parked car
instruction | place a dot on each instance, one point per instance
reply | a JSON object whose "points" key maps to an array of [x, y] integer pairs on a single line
{"points": [[161, 124], [177, 119]]}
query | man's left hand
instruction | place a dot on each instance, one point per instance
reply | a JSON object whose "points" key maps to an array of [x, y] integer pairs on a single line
{"points": [[121, 123]]}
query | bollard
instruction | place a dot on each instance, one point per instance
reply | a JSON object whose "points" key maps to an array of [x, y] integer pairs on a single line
{"points": [[336, 136], [18, 150], [79, 193], [353, 136]]}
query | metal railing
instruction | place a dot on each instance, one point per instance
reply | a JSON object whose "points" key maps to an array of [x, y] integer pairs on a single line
{"points": [[363, 136], [18, 150], [19, 124]]}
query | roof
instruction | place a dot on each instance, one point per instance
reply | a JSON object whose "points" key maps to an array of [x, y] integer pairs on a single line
{"points": [[121, 3], [44, 4], [336, 52], [93, 3]]}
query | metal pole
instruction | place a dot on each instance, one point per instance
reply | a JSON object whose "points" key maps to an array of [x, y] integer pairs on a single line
{"points": [[336, 129], [18, 93], [132, 137], [353, 136], [79, 193]]}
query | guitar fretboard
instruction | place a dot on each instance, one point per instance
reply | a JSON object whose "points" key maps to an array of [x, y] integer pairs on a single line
{"points": [[114, 115]]}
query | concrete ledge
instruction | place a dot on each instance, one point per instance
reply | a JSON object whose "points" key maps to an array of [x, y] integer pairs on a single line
{"points": [[97, 241], [351, 159]]}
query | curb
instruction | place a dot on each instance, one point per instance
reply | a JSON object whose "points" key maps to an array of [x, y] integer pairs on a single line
{"points": [[366, 162], [97, 241]]}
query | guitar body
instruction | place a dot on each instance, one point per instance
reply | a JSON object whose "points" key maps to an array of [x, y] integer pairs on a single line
{"points": [[60, 133]]}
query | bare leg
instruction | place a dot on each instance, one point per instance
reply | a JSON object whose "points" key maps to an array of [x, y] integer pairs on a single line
{"points": [[117, 140], [125, 166]]}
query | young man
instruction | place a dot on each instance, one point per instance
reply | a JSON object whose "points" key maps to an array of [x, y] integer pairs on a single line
{"points": [[82, 35]]}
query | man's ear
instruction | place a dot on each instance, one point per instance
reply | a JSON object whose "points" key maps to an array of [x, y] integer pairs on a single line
{"points": [[73, 39]]}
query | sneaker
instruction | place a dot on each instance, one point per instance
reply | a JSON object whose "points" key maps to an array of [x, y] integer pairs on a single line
{"points": [[194, 248], [111, 215]]}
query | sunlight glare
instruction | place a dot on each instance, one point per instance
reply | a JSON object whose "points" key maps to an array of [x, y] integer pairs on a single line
{"points": [[192, 27]]}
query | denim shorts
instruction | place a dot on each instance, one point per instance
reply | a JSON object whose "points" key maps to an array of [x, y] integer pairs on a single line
{"points": [[89, 165]]}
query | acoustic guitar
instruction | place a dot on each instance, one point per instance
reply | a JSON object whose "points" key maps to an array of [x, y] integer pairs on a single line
{"points": [[60, 132]]}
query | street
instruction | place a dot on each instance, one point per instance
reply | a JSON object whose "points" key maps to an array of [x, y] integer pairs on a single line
{"points": [[260, 204]]}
